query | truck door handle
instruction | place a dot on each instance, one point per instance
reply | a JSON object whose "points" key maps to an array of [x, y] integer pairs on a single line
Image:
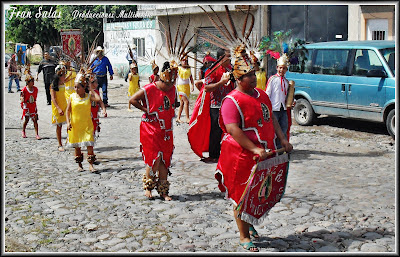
{"points": [[343, 87], [349, 89]]}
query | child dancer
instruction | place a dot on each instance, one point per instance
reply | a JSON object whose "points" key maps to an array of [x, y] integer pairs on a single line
{"points": [[184, 78], [79, 121], [28, 104], [154, 77], [134, 85], [157, 101], [58, 101], [95, 108]]}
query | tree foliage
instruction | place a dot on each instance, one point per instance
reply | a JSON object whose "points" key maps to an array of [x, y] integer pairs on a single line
{"points": [[46, 31], [31, 30]]}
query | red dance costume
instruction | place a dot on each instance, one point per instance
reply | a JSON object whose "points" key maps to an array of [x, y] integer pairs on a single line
{"points": [[235, 163], [156, 137], [95, 115], [200, 124], [29, 105]]}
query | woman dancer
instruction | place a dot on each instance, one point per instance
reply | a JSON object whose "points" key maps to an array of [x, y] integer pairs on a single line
{"points": [[79, 120], [184, 78], [58, 101]]}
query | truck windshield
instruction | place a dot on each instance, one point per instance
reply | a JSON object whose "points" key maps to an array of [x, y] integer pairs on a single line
{"points": [[389, 55]]}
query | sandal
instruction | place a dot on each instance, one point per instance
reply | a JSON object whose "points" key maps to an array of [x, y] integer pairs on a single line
{"points": [[249, 246], [60, 148], [253, 232]]}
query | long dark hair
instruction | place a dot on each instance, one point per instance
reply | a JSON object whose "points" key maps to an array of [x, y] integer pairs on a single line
{"points": [[55, 81]]}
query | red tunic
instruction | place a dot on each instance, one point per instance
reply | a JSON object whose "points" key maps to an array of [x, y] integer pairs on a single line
{"points": [[95, 114], [235, 163], [153, 78], [29, 105], [156, 137]]}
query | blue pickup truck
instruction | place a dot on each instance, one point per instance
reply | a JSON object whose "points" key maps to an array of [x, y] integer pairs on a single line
{"points": [[353, 79]]}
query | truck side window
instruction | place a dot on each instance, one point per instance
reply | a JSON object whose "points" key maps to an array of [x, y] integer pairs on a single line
{"points": [[331, 62], [365, 61], [304, 63]]}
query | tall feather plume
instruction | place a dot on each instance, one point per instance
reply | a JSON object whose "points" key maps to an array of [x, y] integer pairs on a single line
{"points": [[169, 33], [227, 36], [251, 26], [215, 43], [166, 38], [220, 40], [177, 32], [245, 22], [184, 35], [184, 47], [222, 24], [231, 24]]}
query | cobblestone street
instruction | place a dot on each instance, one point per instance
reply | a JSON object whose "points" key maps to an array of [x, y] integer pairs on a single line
{"points": [[340, 194]]}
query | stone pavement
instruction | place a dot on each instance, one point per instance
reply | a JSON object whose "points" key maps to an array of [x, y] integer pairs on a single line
{"points": [[340, 194]]}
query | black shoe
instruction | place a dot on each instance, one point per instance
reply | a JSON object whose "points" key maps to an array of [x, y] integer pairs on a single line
{"points": [[106, 105], [48, 103], [19, 90], [10, 91]]}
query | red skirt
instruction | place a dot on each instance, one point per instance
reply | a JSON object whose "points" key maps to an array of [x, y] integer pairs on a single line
{"points": [[155, 143]]}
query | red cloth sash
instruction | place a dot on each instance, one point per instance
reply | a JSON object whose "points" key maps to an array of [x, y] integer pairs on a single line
{"points": [[156, 135], [200, 124]]}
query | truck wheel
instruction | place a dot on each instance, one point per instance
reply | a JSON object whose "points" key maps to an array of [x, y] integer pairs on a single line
{"points": [[303, 112], [391, 124]]}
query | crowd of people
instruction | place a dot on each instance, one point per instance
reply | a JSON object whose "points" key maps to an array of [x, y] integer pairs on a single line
{"points": [[239, 114]]}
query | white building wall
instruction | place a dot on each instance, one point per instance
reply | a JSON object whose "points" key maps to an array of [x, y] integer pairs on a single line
{"points": [[118, 35]]}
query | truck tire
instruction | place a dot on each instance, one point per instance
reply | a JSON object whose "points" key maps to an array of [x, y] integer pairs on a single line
{"points": [[391, 124], [304, 113]]}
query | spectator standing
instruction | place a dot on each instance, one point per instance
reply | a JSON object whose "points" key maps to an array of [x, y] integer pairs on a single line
{"points": [[101, 65], [13, 74], [130, 60], [48, 66], [277, 88]]}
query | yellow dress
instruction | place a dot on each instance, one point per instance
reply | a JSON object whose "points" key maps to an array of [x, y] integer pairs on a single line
{"points": [[183, 81], [81, 133], [56, 118], [261, 80], [133, 85], [70, 85]]}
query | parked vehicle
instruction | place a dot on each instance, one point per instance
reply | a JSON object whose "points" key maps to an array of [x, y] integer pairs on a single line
{"points": [[55, 51], [354, 79]]}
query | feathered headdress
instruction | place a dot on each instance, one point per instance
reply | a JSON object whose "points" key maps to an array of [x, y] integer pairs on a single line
{"points": [[177, 49], [282, 47], [27, 72], [241, 46], [85, 73]]}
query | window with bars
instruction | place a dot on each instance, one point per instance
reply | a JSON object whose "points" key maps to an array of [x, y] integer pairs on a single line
{"points": [[378, 35], [140, 46]]}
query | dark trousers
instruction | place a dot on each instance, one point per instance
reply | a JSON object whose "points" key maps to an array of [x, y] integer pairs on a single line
{"points": [[102, 83], [282, 118], [48, 95], [214, 148]]}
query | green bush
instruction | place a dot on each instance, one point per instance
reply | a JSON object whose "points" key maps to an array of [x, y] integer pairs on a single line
{"points": [[35, 59]]}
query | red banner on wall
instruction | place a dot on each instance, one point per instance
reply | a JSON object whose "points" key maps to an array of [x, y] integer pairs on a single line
{"points": [[71, 41]]}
